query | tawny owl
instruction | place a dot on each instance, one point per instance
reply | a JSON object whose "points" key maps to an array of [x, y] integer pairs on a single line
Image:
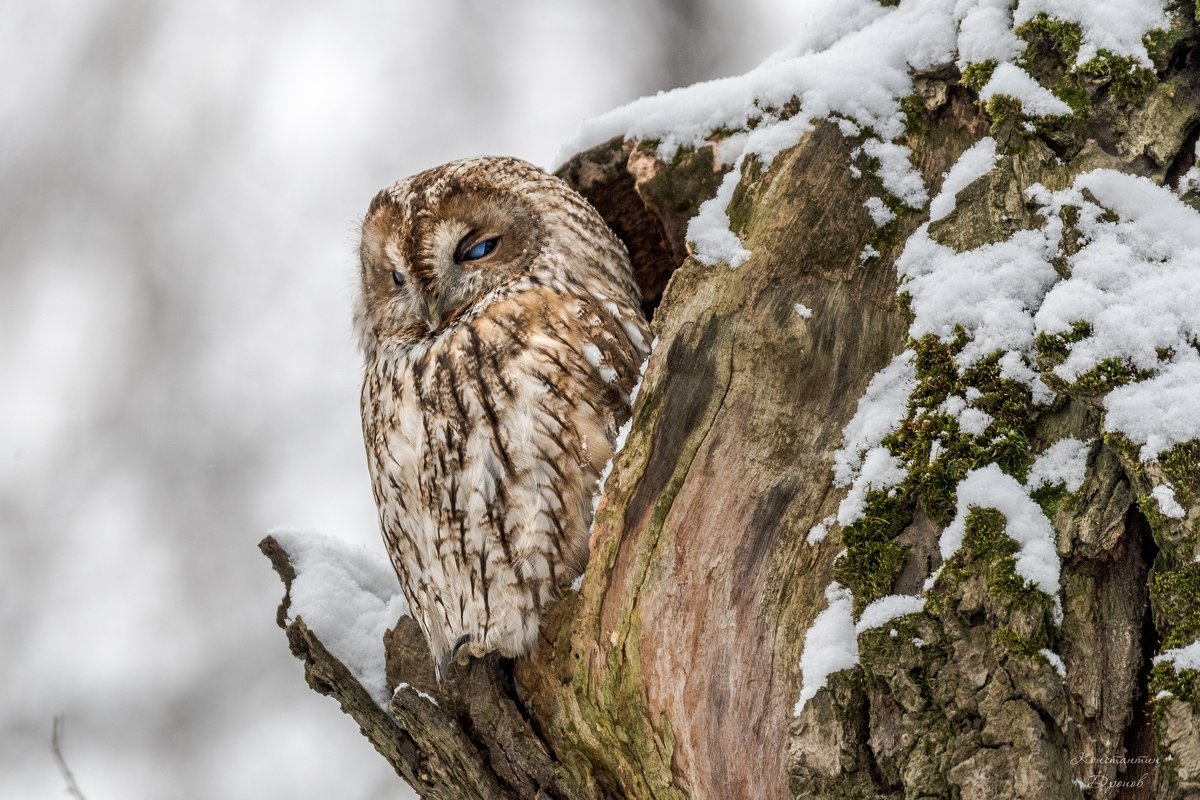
{"points": [[502, 334]]}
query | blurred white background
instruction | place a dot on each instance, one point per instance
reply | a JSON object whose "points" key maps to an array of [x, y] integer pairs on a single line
{"points": [[179, 185]]}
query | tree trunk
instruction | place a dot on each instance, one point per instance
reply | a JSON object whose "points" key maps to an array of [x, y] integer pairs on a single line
{"points": [[675, 670]]}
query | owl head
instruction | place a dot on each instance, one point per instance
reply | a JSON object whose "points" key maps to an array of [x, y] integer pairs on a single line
{"points": [[438, 247]]}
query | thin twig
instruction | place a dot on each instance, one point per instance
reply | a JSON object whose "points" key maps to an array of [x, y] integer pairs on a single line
{"points": [[56, 746]]}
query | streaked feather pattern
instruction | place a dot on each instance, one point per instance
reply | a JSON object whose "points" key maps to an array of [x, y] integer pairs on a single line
{"points": [[487, 415]]}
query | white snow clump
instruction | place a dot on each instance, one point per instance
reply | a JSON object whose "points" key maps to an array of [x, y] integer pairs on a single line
{"points": [[830, 645], [989, 487], [1063, 462], [349, 597]]}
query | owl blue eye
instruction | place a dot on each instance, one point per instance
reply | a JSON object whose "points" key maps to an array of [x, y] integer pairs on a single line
{"points": [[480, 249], [398, 277]]}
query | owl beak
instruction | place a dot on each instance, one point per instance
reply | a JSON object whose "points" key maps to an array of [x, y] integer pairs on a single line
{"points": [[431, 313]]}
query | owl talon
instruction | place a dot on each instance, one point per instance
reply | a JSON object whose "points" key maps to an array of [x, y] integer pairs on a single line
{"points": [[463, 640], [459, 653]]}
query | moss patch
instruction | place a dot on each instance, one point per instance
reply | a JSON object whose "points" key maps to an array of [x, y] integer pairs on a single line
{"points": [[1181, 465], [872, 558], [938, 454], [1175, 596], [1015, 644], [1053, 349], [1161, 43], [1053, 498], [1001, 108], [1108, 375], [987, 545], [934, 474], [1053, 46], [976, 75], [1126, 79], [1050, 38], [1184, 684]]}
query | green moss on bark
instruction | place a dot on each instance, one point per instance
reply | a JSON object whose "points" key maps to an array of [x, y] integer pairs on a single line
{"points": [[1048, 37], [938, 454], [1160, 43], [988, 551], [1181, 465], [1126, 79], [1053, 348], [1184, 684], [1001, 108], [1175, 595], [975, 76]]}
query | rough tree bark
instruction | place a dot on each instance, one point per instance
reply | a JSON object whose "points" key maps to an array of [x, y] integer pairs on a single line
{"points": [[673, 672]]}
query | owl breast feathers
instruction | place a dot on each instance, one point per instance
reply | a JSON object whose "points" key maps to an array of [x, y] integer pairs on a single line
{"points": [[502, 334]]}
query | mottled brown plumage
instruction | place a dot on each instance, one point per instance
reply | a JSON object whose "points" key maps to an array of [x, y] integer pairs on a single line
{"points": [[494, 386]]}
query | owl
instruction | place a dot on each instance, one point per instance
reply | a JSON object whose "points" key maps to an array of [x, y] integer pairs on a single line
{"points": [[502, 334]]}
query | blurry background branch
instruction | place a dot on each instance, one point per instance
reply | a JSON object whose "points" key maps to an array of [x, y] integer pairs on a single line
{"points": [[56, 745]]}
